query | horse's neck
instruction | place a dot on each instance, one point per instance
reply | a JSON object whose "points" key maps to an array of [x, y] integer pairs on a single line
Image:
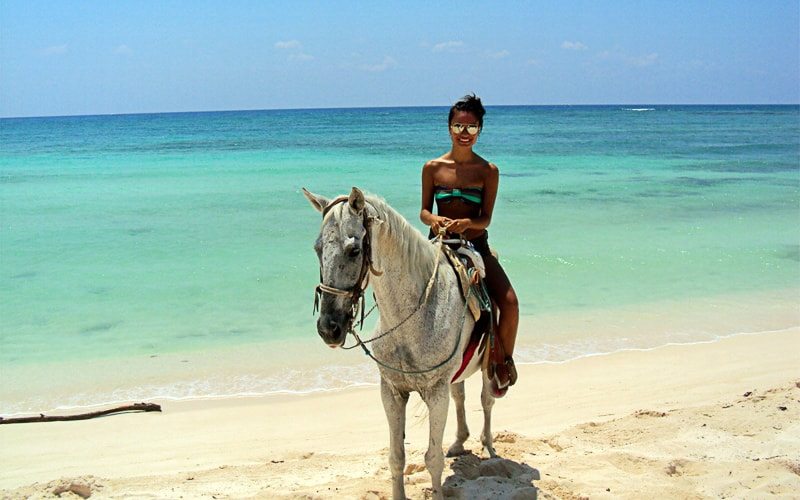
{"points": [[406, 261]]}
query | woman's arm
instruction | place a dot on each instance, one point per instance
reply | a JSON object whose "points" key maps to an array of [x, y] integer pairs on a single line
{"points": [[426, 215]]}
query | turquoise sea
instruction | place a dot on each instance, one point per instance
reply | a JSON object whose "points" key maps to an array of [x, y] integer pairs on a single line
{"points": [[170, 255]]}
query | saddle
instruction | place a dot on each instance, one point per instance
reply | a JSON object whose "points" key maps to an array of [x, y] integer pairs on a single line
{"points": [[467, 262]]}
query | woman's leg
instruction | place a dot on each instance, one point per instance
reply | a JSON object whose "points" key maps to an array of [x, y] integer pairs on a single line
{"points": [[505, 297]]}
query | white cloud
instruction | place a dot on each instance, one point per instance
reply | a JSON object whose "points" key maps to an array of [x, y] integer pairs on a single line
{"points": [[643, 61], [448, 46], [300, 56], [54, 50], [568, 45], [619, 56], [498, 55], [387, 63], [295, 50], [532, 62], [123, 50], [289, 44]]}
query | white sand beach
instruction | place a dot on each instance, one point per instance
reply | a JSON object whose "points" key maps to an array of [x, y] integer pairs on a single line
{"points": [[719, 420]]}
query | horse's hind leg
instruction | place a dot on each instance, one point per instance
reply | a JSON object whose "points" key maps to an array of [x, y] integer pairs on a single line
{"points": [[394, 404], [487, 401], [462, 433], [437, 400]]}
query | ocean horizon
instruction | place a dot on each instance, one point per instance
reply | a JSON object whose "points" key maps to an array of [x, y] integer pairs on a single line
{"points": [[634, 106], [169, 255]]}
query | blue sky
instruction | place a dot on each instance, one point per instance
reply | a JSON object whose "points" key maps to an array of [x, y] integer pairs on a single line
{"points": [[67, 58]]}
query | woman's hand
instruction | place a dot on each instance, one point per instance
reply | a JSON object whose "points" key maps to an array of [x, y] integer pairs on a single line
{"points": [[440, 224], [458, 226]]}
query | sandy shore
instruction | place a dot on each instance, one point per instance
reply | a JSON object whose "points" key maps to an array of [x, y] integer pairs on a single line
{"points": [[714, 420]]}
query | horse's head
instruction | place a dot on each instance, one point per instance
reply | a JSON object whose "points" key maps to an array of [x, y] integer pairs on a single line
{"points": [[344, 261]]}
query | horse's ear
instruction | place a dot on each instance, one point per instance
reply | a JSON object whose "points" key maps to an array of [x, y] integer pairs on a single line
{"points": [[356, 200], [318, 202]]}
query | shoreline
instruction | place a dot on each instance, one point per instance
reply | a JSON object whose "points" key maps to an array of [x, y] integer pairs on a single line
{"points": [[307, 367], [68, 410], [266, 439]]}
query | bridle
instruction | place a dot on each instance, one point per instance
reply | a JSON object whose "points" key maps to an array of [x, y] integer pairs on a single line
{"points": [[356, 292]]}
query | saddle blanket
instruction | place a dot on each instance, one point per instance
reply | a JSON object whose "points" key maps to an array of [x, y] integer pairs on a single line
{"points": [[472, 358]]}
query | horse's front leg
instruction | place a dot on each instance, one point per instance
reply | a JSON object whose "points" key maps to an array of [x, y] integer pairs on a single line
{"points": [[438, 401], [487, 401], [394, 404], [462, 432]]}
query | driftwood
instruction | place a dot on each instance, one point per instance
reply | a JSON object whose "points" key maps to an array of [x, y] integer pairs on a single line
{"points": [[82, 416]]}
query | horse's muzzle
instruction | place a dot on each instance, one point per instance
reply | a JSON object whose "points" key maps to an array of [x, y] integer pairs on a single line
{"points": [[333, 332]]}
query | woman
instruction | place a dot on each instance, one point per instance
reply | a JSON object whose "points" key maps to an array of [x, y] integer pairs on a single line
{"points": [[464, 186]]}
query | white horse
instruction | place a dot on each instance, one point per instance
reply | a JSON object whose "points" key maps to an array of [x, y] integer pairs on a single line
{"points": [[423, 327]]}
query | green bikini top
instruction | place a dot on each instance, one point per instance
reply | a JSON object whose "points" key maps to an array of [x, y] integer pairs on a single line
{"points": [[472, 195]]}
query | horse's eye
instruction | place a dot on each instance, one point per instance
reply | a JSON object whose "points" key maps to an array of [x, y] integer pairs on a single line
{"points": [[354, 252]]}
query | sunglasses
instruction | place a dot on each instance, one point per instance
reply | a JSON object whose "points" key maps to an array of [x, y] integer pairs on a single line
{"points": [[471, 128]]}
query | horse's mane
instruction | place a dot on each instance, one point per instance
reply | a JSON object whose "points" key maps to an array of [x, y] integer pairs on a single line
{"points": [[412, 246]]}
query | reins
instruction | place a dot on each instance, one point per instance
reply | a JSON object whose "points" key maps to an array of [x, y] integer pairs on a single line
{"points": [[415, 372], [423, 299]]}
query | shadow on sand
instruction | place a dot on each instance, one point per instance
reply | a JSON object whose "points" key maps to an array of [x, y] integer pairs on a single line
{"points": [[492, 478]]}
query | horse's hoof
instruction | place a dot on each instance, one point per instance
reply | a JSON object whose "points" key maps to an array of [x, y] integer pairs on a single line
{"points": [[456, 451]]}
